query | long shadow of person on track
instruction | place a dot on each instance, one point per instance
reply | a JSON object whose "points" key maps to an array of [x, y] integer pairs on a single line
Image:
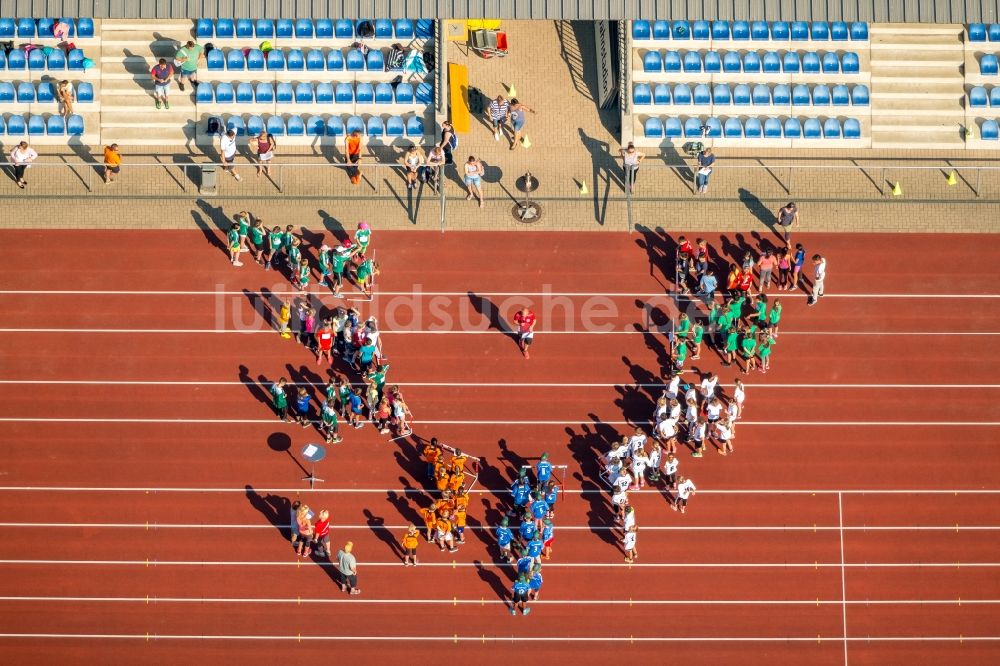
{"points": [[599, 515], [404, 506], [377, 525], [488, 309], [491, 578], [275, 508], [258, 389], [211, 235]]}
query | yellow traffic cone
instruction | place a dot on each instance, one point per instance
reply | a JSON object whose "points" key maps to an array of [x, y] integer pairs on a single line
{"points": [[897, 190], [951, 178], [511, 91], [583, 188], [525, 141]]}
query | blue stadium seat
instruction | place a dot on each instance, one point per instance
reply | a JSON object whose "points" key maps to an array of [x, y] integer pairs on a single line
{"points": [[276, 126], [772, 62], [752, 128], [741, 30], [303, 29], [731, 62], [701, 30], [640, 29], [255, 60], [692, 127], [414, 126], [682, 94], [284, 93], [850, 64], [741, 94], [994, 32], [355, 60], [236, 124], [841, 95], [36, 59], [3, 60], [334, 126], [761, 95], [394, 126], [255, 125], [781, 95], [793, 128], [73, 32], [751, 62], [315, 60], [425, 28], [46, 92], [383, 29], [235, 61], [315, 125], [720, 30], [55, 126], [780, 31], [7, 93], [977, 32], [295, 126], [839, 32], [800, 31], [424, 94], [733, 129], [335, 61], [989, 131], [661, 30], [661, 94], [57, 61], [801, 96], [205, 93], [811, 129], [224, 28], [860, 96], [364, 94], [204, 29], [264, 29], [284, 28], [25, 93], [324, 28], [263, 93], [36, 125], [276, 60], [74, 59], [85, 92], [324, 92], [672, 61], [714, 127], [680, 30], [15, 126], [74, 125], [344, 29], [859, 31], [244, 28], [692, 61], [821, 95], [404, 29], [45, 26], [978, 97], [713, 63], [653, 128], [721, 95], [810, 63], [344, 93], [703, 95], [26, 28], [831, 129], [987, 65], [244, 93], [383, 93], [404, 94], [672, 128], [831, 64], [642, 94], [995, 97], [295, 61], [375, 126], [852, 129], [215, 61], [759, 31], [224, 93], [819, 32], [791, 64], [7, 28], [304, 93], [17, 61]]}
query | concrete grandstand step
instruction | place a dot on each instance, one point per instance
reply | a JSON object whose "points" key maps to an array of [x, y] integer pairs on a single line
{"points": [[877, 29], [147, 37], [904, 90], [918, 77], [904, 141], [137, 136], [917, 43], [921, 59], [149, 27], [952, 104], [902, 124]]}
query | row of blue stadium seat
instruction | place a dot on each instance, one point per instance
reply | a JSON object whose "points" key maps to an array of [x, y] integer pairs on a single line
{"points": [[305, 28], [761, 94], [978, 32], [321, 93], [36, 59], [294, 60], [751, 62], [770, 128], [746, 30], [979, 98], [990, 130], [989, 65], [35, 125], [29, 28], [317, 125], [26, 92]]}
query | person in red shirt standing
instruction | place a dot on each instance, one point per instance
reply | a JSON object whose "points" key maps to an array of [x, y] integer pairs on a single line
{"points": [[321, 534], [525, 320], [324, 345], [746, 283], [685, 254]]}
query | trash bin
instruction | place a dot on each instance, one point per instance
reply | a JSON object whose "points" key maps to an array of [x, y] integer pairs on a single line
{"points": [[209, 183]]}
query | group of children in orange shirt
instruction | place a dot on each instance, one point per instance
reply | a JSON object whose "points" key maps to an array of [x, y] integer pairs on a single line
{"points": [[445, 518]]}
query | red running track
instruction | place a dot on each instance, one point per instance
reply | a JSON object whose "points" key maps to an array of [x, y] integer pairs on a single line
{"points": [[137, 422]]}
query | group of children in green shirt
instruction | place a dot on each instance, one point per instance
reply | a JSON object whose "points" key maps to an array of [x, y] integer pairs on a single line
{"points": [[751, 340]]}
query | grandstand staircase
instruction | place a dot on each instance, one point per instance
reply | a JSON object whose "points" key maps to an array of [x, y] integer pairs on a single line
{"points": [[128, 115], [918, 91]]}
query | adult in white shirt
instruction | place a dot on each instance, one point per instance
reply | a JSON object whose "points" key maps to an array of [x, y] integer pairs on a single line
{"points": [[673, 388], [739, 395], [227, 146], [670, 465], [713, 410], [696, 435], [637, 441], [819, 277], [685, 489], [666, 433], [708, 385], [691, 393], [691, 413], [723, 433], [21, 157]]}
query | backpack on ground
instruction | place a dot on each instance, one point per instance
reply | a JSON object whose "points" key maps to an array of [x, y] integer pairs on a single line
{"points": [[214, 125]]}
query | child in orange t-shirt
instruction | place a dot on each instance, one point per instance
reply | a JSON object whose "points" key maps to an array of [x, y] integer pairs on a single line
{"points": [[456, 481], [459, 517], [410, 543], [441, 477], [444, 535], [430, 520], [432, 454]]}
